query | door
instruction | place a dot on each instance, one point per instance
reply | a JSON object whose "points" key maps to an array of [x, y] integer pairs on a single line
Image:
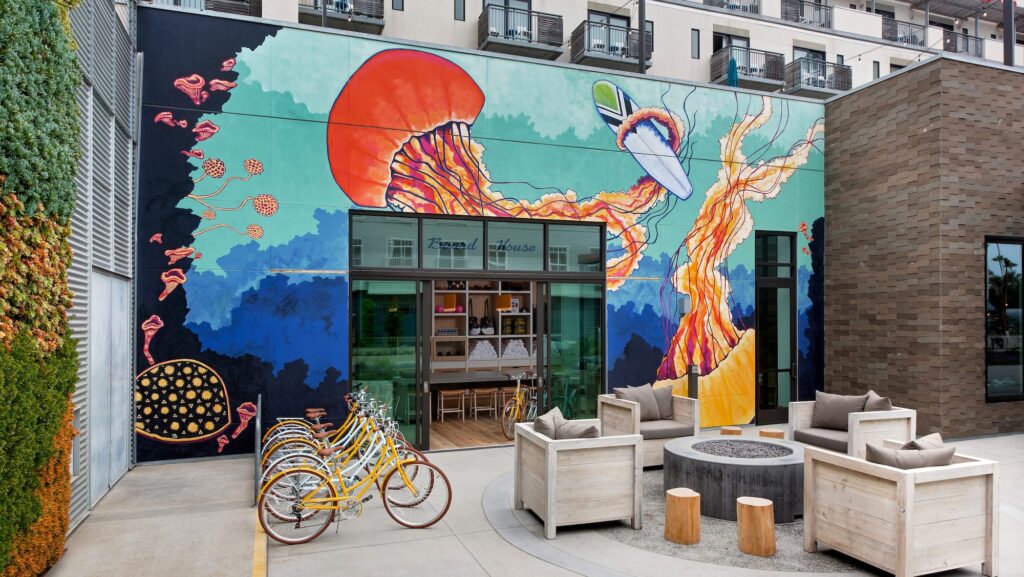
{"points": [[775, 317], [110, 383], [574, 337], [385, 350]]}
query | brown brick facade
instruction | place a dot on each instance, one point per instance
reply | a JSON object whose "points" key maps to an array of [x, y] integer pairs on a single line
{"points": [[920, 168]]}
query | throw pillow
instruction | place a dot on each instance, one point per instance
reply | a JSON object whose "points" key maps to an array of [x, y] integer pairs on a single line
{"points": [[664, 397], [548, 423], [877, 402], [909, 458], [832, 411], [932, 441], [643, 396], [577, 430]]}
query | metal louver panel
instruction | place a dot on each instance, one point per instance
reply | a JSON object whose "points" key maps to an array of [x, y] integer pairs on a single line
{"points": [[104, 75], [102, 186], [122, 232], [78, 316], [124, 89], [81, 27]]}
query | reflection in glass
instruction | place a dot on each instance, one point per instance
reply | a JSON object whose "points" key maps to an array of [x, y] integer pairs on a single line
{"points": [[515, 246], [574, 248], [1003, 351], [384, 346], [453, 244], [575, 348], [384, 241]]}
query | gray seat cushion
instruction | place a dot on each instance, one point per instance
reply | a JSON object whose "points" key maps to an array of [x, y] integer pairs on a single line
{"points": [[833, 411], [664, 397], [877, 402], [549, 423], [910, 458], [932, 441], [644, 396], [664, 429], [576, 430], [830, 439]]}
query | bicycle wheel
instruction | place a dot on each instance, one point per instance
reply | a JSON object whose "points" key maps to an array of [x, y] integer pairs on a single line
{"points": [[292, 461], [288, 447], [508, 419], [430, 490], [285, 518], [286, 424]]}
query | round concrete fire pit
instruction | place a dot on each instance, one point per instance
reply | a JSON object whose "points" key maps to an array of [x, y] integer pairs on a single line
{"points": [[722, 470]]}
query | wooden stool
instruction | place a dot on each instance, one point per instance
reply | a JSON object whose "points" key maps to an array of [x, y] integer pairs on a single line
{"points": [[458, 406], [731, 431], [772, 433], [682, 516], [755, 526], [483, 401]]}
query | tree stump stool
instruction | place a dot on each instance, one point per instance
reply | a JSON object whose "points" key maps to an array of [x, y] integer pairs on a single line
{"points": [[731, 430], [755, 526], [772, 433], [682, 516]]}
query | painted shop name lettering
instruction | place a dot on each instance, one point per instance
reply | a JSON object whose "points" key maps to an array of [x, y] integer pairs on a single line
{"points": [[436, 242]]}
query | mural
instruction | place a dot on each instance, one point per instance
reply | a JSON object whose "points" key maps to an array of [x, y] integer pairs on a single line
{"points": [[262, 138]]}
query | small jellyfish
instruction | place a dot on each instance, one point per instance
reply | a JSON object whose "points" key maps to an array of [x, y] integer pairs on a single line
{"points": [[254, 231], [227, 65], [246, 411], [149, 328], [209, 214], [157, 238], [205, 130], [222, 442], [265, 204], [192, 86], [177, 254], [197, 153], [213, 167], [253, 166], [217, 84], [172, 280]]}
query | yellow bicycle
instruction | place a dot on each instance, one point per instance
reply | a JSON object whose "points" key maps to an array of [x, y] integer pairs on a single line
{"points": [[297, 505], [521, 407]]}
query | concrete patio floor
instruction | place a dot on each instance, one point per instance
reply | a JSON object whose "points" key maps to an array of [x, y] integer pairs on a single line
{"points": [[196, 519]]}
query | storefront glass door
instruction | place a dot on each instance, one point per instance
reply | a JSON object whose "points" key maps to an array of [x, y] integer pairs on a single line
{"points": [[575, 347], [385, 348], [775, 310]]}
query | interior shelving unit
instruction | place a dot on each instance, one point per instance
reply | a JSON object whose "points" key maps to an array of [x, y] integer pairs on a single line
{"points": [[452, 346]]}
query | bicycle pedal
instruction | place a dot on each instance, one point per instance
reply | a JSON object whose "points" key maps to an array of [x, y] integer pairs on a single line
{"points": [[367, 498]]}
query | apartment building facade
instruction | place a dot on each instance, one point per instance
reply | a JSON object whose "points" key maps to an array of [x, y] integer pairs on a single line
{"points": [[800, 47]]}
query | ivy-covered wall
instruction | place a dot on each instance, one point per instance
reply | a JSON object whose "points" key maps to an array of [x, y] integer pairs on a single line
{"points": [[38, 365]]}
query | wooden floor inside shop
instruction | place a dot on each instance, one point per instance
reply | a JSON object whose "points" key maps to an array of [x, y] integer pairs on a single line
{"points": [[455, 433]]}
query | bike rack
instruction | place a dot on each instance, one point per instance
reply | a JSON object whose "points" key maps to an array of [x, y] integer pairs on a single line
{"points": [[258, 450]]}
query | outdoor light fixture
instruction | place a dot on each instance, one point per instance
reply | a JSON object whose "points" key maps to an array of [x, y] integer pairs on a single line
{"points": [[684, 305]]}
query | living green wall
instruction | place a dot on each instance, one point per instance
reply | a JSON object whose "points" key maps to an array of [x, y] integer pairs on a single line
{"points": [[38, 364]]}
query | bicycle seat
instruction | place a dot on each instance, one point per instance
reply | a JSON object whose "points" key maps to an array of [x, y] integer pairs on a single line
{"points": [[328, 451], [321, 426]]}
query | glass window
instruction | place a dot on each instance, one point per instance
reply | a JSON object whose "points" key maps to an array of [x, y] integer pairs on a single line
{"points": [[515, 246], [1003, 352], [808, 54], [695, 44], [384, 241], [453, 244], [398, 4], [875, 72], [460, 10], [574, 248], [839, 59], [773, 255]]}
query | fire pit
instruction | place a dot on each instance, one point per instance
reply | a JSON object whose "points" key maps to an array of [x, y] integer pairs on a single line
{"points": [[723, 469]]}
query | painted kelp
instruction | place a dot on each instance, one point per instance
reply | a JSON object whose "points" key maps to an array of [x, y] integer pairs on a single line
{"points": [[249, 185]]}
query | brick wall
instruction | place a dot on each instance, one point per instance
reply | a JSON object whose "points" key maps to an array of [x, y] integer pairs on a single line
{"points": [[919, 169]]}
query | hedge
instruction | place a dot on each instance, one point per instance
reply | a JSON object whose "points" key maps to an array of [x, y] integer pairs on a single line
{"points": [[38, 113]]}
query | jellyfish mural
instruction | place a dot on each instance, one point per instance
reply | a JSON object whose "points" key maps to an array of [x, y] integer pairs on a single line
{"points": [[434, 165]]}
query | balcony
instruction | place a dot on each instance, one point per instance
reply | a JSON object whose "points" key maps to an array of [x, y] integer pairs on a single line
{"points": [[520, 32], [607, 46], [962, 44], [228, 6], [744, 6], [817, 78], [902, 32], [755, 69], [365, 16], [807, 13]]}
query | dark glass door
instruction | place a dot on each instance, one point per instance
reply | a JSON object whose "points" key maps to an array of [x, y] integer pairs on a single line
{"points": [[574, 340], [775, 312], [385, 350]]}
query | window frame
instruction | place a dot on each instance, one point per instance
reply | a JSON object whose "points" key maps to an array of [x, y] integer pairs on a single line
{"points": [[398, 5], [876, 69], [695, 41], [1017, 240], [460, 4]]}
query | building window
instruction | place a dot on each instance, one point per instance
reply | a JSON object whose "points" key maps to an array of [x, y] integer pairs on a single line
{"points": [[356, 252], [558, 258], [398, 5], [453, 243], [497, 259], [460, 10], [839, 59], [895, 67], [1004, 363], [695, 44], [400, 252], [809, 54], [875, 68]]}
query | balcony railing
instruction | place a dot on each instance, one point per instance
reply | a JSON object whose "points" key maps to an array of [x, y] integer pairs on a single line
{"points": [[749, 63], [902, 32], [193, 4], [747, 6], [808, 73], [962, 43], [367, 8], [808, 13], [520, 25], [608, 40]]}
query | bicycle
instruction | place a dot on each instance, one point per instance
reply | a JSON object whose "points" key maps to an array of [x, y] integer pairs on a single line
{"points": [[297, 505], [521, 407]]}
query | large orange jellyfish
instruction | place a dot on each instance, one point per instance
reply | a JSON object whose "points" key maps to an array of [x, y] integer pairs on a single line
{"points": [[399, 137]]}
